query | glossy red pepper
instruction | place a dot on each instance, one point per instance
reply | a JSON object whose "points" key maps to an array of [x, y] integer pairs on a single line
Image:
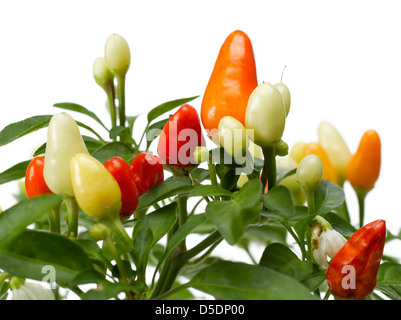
{"points": [[121, 172], [35, 184], [180, 136], [147, 171], [352, 273]]}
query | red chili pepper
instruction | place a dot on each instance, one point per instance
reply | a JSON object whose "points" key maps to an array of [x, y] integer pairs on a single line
{"points": [[181, 135], [147, 171], [35, 184], [352, 273], [120, 170]]}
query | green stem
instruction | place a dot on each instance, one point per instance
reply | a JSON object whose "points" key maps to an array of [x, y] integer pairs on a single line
{"points": [[212, 171], [361, 195], [269, 171], [310, 199], [118, 229], [174, 264], [121, 99], [54, 219], [171, 292], [3, 277], [110, 91], [113, 250], [72, 217]]}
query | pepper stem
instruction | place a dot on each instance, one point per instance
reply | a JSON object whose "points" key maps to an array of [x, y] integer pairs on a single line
{"points": [[72, 216], [361, 195], [121, 99], [212, 171], [54, 219], [118, 229], [110, 91], [269, 171]]}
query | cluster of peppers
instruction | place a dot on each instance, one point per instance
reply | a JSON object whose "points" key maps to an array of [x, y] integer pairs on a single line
{"points": [[101, 190], [107, 192], [263, 109], [234, 107]]}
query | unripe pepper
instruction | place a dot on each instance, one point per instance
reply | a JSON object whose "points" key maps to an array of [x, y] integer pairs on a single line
{"points": [[286, 95], [201, 154], [297, 151], [63, 142], [35, 184], [117, 55], [232, 81], [336, 149], [120, 170], [180, 136], [102, 74], [96, 191], [309, 173], [352, 273], [265, 114], [328, 170], [147, 171], [364, 167], [233, 136]]}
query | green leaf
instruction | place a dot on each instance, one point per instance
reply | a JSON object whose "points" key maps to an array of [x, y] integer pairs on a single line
{"points": [[106, 291], [14, 220], [149, 230], [15, 172], [90, 129], [78, 108], [21, 128], [168, 188], [284, 173], [166, 107], [328, 196], [27, 254], [240, 281], [389, 273], [200, 174], [209, 191], [277, 255], [279, 200], [112, 149], [92, 250], [232, 216], [116, 131]]}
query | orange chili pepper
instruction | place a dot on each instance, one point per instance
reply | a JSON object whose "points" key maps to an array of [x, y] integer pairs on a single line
{"points": [[329, 172], [364, 167], [231, 83]]}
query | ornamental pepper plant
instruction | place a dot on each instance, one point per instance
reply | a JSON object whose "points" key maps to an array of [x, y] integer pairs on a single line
{"points": [[125, 213]]}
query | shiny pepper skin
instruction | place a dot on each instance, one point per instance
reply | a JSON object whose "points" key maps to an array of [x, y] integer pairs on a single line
{"points": [[35, 184], [147, 171], [120, 170], [266, 115], [352, 273], [63, 142], [231, 83], [96, 191], [180, 136], [364, 167]]}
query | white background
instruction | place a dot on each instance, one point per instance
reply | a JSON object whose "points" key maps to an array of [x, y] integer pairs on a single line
{"points": [[342, 63]]}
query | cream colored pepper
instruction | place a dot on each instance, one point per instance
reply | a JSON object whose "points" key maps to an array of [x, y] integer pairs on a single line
{"points": [[63, 142]]}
